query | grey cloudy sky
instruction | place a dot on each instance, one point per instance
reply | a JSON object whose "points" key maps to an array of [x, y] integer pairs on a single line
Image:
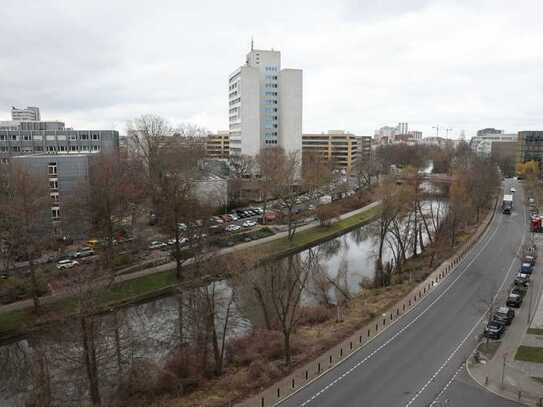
{"points": [[96, 64]]}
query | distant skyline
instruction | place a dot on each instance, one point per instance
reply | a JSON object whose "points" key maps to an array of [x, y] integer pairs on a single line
{"points": [[464, 65]]}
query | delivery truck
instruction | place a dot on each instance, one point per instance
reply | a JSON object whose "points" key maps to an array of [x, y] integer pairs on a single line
{"points": [[507, 204]]}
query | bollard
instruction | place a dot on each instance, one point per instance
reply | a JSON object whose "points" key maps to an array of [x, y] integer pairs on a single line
{"points": [[519, 394], [486, 381], [384, 322], [319, 368], [369, 333], [360, 339], [397, 312], [409, 301], [293, 383], [403, 307], [540, 402], [340, 352], [262, 402], [330, 359], [351, 345], [306, 375], [278, 392], [376, 327]]}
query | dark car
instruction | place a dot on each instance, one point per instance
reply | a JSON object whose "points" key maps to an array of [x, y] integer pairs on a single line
{"points": [[526, 268], [494, 329], [504, 315], [84, 252], [514, 300], [520, 290]]}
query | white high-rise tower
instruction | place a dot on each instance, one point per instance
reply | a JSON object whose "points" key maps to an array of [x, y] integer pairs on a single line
{"points": [[265, 105]]}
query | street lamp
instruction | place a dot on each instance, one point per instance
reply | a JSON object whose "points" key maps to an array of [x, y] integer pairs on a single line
{"points": [[447, 132], [437, 130]]}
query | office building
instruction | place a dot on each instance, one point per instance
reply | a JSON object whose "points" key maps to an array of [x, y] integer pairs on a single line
{"points": [[218, 145], [24, 115], [488, 131], [64, 175], [483, 142], [340, 148], [20, 137], [265, 105], [530, 146]]}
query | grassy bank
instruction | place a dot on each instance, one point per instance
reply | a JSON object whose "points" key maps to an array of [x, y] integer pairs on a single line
{"points": [[535, 331], [529, 354], [14, 323]]}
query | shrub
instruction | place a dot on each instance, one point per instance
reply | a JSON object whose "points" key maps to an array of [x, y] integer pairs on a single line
{"points": [[315, 315], [261, 344]]}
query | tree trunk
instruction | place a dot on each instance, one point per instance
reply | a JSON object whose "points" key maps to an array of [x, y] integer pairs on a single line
{"points": [[180, 316], [286, 340], [34, 282], [262, 302], [89, 358]]}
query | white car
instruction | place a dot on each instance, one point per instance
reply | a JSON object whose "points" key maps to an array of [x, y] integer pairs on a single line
{"points": [[232, 228], [182, 241], [513, 189], [249, 223], [157, 244], [66, 264]]}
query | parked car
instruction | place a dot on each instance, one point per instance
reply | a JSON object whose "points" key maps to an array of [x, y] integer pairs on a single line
{"points": [[182, 241], [523, 278], [494, 330], [513, 189], [514, 300], [84, 252], [232, 228], [526, 268], [249, 223], [529, 259], [234, 216], [504, 315], [66, 264], [157, 244]]}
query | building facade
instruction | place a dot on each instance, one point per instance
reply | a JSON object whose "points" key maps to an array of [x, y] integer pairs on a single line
{"points": [[64, 174], [482, 144], [265, 105], [218, 145], [530, 146], [31, 113], [398, 134], [19, 142], [342, 149]]}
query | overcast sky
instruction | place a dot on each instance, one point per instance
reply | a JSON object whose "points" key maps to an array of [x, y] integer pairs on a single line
{"points": [[458, 64]]}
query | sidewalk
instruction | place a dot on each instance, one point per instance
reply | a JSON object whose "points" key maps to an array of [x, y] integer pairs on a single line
{"points": [[502, 374], [49, 299]]}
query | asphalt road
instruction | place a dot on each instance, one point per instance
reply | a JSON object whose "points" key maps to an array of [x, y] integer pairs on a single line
{"points": [[415, 361]]}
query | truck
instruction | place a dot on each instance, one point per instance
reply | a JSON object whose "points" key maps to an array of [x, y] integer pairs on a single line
{"points": [[507, 204]]}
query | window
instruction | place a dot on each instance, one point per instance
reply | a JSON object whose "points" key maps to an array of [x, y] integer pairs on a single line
{"points": [[73, 148], [73, 137], [16, 149], [53, 184], [95, 148], [54, 197], [51, 149], [52, 169], [55, 213], [27, 137], [38, 148], [84, 137]]}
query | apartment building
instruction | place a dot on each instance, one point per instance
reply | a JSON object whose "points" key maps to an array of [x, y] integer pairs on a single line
{"points": [[218, 145], [341, 148], [265, 105]]}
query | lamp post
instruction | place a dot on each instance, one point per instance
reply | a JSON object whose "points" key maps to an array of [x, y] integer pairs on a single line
{"points": [[437, 130], [447, 130]]}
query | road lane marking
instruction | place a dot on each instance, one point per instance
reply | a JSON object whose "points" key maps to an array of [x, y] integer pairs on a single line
{"points": [[444, 364], [384, 344]]}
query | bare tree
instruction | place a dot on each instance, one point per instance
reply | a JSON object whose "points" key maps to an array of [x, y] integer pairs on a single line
{"points": [[288, 186], [26, 218], [270, 162]]}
